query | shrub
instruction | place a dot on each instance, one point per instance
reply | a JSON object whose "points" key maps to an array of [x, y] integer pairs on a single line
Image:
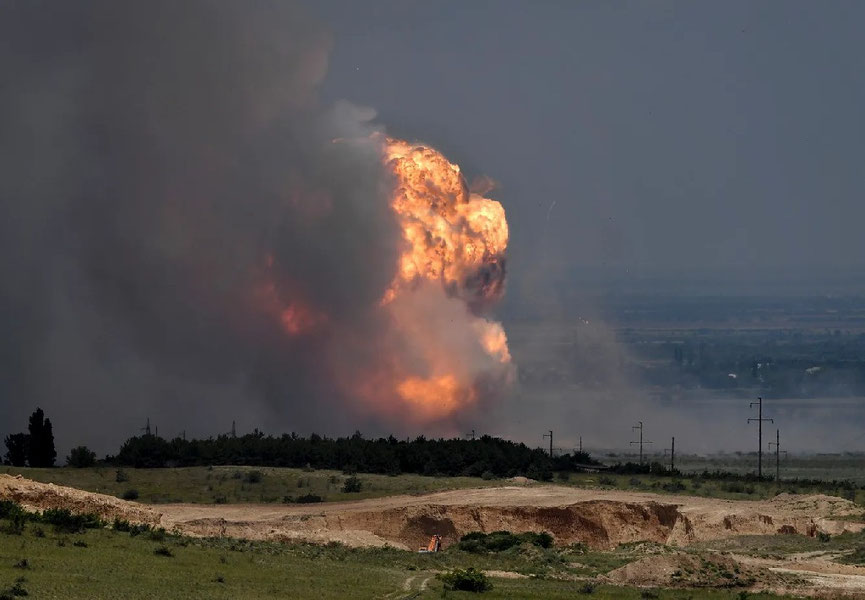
{"points": [[22, 564], [121, 525], [81, 457], [120, 476], [253, 477], [649, 595], [130, 494], [673, 486], [158, 535], [163, 551], [64, 520], [352, 485], [823, 536], [499, 541], [607, 480], [39, 532], [79, 544], [308, 499], [466, 580], [488, 475], [587, 588], [563, 476], [220, 499]]}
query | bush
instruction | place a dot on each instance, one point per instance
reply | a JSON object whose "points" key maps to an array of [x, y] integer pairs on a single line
{"points": [[253, 477], [607, 480], [587, 588], [17, 521], [163, 551], [157, 535], [674, 486], [81, 457], [64, 520], [120, 476], [823, 537], [488, 475], [649, 595], [121, 525], [308, 499], [499, 541], [352, 485], [466, 580], [130, 494]]}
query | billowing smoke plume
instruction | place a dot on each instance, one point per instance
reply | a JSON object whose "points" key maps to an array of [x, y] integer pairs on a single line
{"points": [[187, 234]]}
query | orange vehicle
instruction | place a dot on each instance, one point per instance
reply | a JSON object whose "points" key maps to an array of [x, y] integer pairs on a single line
{"points": [[435, 544]]}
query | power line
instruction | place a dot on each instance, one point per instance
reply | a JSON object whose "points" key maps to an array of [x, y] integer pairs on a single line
{"points": [[759, 421], [550, 435], [640, 442]]}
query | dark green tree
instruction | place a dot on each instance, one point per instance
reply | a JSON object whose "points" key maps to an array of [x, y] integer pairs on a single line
{"points": [[81, 457], [17, 447], [41, 452]]}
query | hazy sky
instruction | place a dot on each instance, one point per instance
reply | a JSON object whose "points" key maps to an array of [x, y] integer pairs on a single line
{"points": [[668, 134]]}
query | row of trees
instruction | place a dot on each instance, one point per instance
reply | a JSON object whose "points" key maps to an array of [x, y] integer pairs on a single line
{"points": [[485, 455], [35, 448]]}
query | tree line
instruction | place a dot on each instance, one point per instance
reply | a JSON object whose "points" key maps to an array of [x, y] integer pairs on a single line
{"points": [[452, 457], [484, 456], [34, 448]]}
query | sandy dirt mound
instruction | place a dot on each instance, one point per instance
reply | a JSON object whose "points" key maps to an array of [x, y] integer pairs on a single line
{"points": [[39, 496], [601, 519], [685, 570]]}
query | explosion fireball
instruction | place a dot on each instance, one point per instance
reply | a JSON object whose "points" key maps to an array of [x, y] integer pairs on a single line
{"points": [[440, 356], [452, 265]]}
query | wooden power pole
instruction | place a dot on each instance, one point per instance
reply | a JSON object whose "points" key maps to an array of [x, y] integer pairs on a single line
{"points": [[550, 435], [640, 442], [759, 421], [778, 453], [672, 451]]}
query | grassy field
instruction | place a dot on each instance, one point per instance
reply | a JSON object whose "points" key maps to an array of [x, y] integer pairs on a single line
{"points": [[103, 563], [274, 485], [240, 484]]}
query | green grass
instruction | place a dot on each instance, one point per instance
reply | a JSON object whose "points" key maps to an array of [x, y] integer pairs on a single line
{"points": [[112, 564], [232, 484], [691, 485], [237, 484]]}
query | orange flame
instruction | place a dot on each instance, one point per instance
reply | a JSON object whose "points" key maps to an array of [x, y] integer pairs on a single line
{"points": [[457, 239]]}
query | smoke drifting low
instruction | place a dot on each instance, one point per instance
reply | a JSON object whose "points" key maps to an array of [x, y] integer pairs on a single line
{"points": [[182, 238]]}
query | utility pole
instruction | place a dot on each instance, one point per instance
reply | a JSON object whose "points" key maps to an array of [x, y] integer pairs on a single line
{"points": [[471, 435], [233, 429], [550, 435], [581, 444], [759, 421], [641, 442], [778, 453], [672, 451], [146, 428]]}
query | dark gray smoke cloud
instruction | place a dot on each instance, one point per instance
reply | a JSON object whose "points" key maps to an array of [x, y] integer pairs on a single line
{"points": [[153, 155]]}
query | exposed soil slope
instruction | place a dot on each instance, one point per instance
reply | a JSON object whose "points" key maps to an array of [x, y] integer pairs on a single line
{"points": [[39, 496], [598, 518]]}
